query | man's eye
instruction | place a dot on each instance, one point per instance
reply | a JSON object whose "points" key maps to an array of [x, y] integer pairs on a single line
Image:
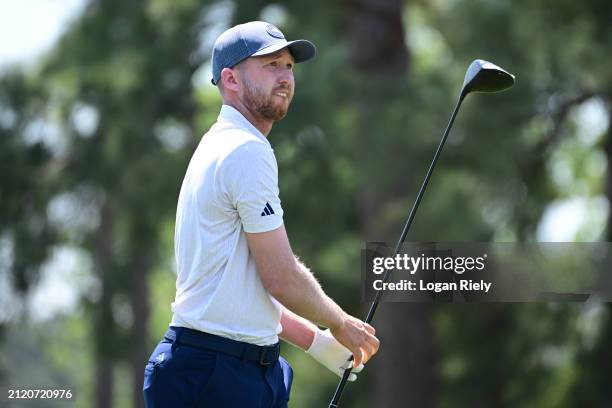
{"points": [[290, 66]]}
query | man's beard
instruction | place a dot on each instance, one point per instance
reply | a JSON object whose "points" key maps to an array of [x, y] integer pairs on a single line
{"points": [[258, 102]]}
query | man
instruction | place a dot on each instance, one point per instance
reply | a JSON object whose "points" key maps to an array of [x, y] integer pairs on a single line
{"points": [[239, 285]]}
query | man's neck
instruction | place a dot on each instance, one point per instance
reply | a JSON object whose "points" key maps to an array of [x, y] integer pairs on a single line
{"points": [[261, 124]]}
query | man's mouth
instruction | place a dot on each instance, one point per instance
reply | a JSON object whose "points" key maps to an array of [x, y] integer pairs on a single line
{"points": [[282, 94]]}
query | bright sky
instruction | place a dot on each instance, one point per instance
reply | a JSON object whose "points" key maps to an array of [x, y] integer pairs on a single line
{"points": [[30, 27]]}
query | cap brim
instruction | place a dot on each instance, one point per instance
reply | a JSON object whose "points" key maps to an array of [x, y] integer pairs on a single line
{"points": [[302, 50]]}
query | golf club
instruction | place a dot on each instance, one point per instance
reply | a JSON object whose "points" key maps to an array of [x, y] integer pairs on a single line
{"points": [[481, 76]]}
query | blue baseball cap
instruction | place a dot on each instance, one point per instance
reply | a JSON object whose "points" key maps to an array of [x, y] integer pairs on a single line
{"points": [[254, 39]]}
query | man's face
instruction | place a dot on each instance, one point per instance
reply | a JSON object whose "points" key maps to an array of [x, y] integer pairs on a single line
{"points": [[267, 84]]}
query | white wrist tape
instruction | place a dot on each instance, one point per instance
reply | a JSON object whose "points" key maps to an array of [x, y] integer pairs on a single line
{"points": [[333, 355]]}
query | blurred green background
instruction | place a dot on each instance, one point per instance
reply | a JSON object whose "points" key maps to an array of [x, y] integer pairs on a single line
{"points": [[96, 133]]}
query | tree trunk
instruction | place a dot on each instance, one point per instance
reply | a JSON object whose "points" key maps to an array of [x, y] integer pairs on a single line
{"points": [[377, 37], [140, 330], [404, 365], [103, 321], [104, 382]]}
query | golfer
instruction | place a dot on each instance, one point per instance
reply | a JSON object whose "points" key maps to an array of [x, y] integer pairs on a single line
{"points": [[239, 285]]}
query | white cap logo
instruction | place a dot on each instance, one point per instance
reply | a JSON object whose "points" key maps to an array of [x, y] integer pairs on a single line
{"points": [[274, 32]]}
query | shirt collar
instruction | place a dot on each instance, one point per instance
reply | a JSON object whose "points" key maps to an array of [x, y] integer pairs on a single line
{"points": [[232, 115]]}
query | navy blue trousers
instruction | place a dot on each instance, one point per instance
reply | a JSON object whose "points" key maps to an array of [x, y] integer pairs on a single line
{"points": [[178, 375]]}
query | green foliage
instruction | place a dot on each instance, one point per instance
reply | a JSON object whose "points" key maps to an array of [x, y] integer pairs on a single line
{"points": [[112, 115]]}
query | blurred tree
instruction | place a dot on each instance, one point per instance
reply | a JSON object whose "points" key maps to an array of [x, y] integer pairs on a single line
{"points": [[511, 153], [27, 177], [114, 113], [27, 180], [594, 360], [122, 79]]}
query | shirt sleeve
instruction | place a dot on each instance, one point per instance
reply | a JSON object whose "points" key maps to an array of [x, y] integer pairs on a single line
{"points": [[253, 187]]}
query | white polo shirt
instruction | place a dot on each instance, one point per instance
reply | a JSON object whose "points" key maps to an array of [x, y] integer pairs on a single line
{"points": [[231, 186]]}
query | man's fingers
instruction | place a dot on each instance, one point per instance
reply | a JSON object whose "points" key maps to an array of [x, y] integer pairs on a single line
{"points": [[370, 329], [375, 343], [357, 357], [366, 355], [369, 347], [371, 336]]}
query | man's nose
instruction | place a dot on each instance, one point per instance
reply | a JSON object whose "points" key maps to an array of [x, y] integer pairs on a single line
{"points": [[286, 77]]}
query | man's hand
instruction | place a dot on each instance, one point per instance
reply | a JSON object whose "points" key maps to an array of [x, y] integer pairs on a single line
{"points": [[358, 337], [333, 355]]}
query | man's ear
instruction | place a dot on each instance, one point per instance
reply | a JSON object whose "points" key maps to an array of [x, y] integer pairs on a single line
{"points": [[229, 79]]}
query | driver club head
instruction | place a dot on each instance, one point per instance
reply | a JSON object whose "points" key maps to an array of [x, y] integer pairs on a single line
{"points": [[484, 76]]}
